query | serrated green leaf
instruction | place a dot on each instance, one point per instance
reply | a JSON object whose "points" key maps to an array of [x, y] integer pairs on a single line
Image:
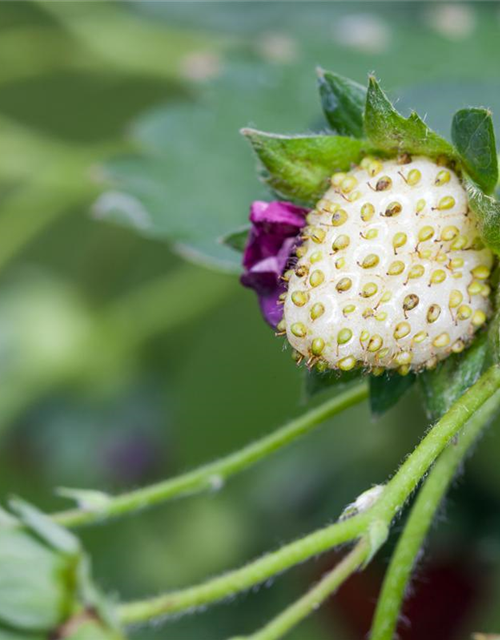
{"points": [[487, 211], [343, 102], [237, 240], [387, 390], [299, 167], [444, 385], [473, 135], [389, 131], [316, 382]]}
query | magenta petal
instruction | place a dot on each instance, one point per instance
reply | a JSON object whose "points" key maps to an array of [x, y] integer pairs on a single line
{"points": [[284, 254], [275, 227], [277, 213], [271, 309], [264, 276]]}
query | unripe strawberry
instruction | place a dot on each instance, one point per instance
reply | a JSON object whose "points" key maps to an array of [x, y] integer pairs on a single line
{"points": [[391, 273]]}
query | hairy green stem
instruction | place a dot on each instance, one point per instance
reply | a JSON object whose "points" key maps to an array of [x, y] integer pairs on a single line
{"points": [[210, 475], [376, 519], [308, 603], [241, 579], [419, 522], [416, 466]]}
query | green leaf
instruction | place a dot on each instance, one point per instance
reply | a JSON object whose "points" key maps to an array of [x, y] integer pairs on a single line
{"points": [[316, 382], [237, 240], [299, 167], [389, 131], [343, 102], [192, 178], [442, 386], [487, 211], [473, 135], [387, 390]]}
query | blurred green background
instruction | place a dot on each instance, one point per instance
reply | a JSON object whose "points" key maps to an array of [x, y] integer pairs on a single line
{"points": [[122, 363]]}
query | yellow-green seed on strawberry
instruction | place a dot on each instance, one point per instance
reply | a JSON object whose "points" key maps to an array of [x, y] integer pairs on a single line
{"points": [[391, 274]]}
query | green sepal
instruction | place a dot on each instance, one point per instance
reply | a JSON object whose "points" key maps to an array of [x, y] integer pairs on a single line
{"points": [[86, 499], [389, 131], [52, 534], [473, 135], [238, 239], [487, 211], [343, 102], [442, 386], [386, 390], [316, 382], [299, 167]]}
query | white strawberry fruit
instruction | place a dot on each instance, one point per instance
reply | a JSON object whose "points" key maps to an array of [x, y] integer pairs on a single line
{"points": [[391, 273]]}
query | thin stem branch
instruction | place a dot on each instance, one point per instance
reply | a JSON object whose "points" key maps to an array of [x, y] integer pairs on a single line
{"points": [[419, 522], [379, 516], [210, 475], [314, 598], [241, 579]]}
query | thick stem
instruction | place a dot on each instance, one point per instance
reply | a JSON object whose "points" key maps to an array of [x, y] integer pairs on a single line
{"points": [[299, 610], [416, 466], [382, 513], [210, 475], [419, 522]]}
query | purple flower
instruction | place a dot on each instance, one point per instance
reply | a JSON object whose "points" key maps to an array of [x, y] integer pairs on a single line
{"points": [[275, 227]]}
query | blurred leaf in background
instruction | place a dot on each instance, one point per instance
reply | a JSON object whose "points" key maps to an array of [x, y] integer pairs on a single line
{"points": [[267, 82]]}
